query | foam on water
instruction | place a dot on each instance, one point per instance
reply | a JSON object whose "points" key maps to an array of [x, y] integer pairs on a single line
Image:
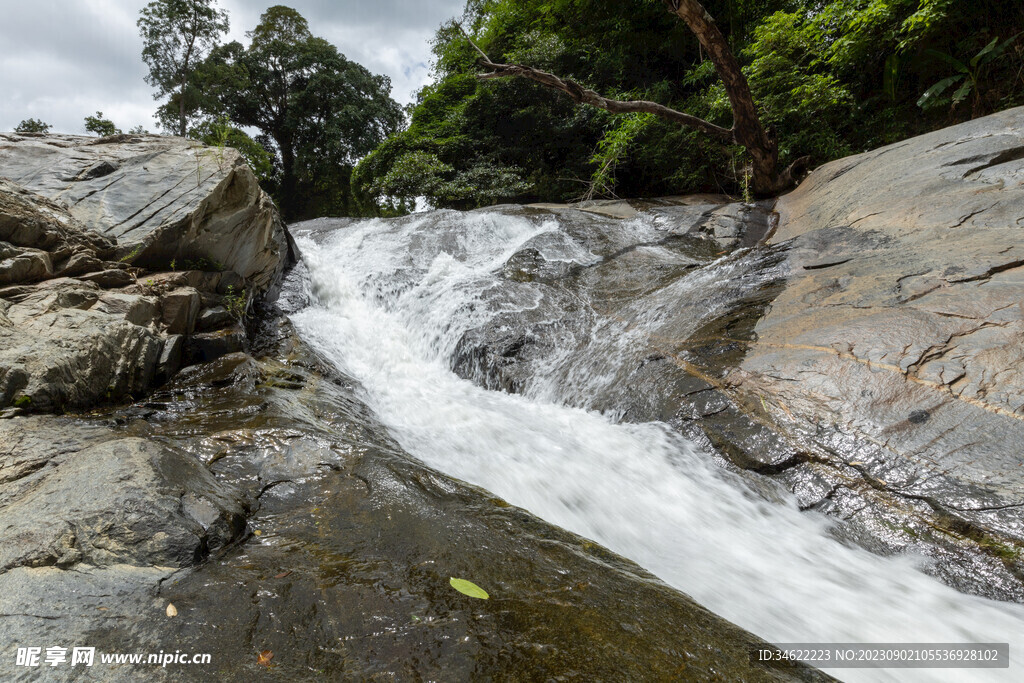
{"points": [[391, 300]]}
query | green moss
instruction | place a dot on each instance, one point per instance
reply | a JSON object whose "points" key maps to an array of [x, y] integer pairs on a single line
{"points": [[23, 401], [1004, 551]]}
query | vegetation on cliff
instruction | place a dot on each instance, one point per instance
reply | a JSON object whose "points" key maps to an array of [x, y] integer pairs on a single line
{"points": [[830, 78], [317, 112]]}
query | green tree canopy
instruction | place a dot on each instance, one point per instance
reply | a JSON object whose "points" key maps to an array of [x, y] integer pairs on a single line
{"points": [[830, 77], [319, 111], [177, 35], [101, 126], [33, 126]]}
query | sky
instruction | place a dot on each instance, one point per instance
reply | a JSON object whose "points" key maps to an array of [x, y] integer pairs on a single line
{"points": [[62, 60]]}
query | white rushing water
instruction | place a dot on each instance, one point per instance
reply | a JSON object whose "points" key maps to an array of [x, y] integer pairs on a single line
{"points": [[391, 300]]}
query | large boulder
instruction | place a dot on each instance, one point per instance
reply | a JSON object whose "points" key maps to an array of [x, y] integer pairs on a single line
{"points": [[81, 221], [67, 344], [83, 495], [162, 199], [894, 355]]}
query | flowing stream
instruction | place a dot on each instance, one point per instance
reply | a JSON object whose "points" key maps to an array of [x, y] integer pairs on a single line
{"points": [[390, 302]]}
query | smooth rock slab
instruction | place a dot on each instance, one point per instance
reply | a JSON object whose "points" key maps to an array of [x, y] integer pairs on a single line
{"points": [[896, 348], [160, 198], [122, 500]]}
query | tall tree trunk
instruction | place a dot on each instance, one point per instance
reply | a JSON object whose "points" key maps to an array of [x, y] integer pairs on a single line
{"points": [[747, 128], [289, 184], [181, 107]]}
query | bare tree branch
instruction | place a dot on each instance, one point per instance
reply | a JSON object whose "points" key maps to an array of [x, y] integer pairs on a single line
{"points": [[585, 96], [746, 129]]}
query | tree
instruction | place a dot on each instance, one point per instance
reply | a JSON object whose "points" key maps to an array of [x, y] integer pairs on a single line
{"points": [[101, 126], [33, 126], [746, 129], [322, 111], [178, 34]]}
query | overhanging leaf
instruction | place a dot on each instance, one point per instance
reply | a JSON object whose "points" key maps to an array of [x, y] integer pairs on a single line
{"points": [[468, 588], [984, 51], [951, 60], [962, 92], [938, 89]]}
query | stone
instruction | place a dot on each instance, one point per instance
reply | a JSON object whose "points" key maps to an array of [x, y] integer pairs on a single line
{"points": [[111, 278], [180, 310], [171, 357], [901, 318], [124, 501], [23, 264], [79, 264], [162, 199], [214, 318], [204, 347], [75, 492], [70, 345]]}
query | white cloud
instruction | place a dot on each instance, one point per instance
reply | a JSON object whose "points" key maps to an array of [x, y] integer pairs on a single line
{"points": [[65, 60]]}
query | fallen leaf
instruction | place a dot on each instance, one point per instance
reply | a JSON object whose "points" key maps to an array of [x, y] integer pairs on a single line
{"points": [[172, 611], [258, 532], [264, 658], [468, 588], [282, 575]]}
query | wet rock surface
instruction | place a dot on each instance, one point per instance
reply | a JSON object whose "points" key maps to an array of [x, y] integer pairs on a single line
{"points": [[342, 570], [893, 357], [867, 358]]}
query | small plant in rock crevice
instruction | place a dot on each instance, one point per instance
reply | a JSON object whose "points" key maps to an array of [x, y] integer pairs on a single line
{"points": [[236, 303]]}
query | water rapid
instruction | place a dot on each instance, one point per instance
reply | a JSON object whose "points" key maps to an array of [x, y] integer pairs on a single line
{"points": [[390, 302]]}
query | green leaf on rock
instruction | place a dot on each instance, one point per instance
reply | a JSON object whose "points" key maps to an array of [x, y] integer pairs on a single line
{"points": [[468, 588]]}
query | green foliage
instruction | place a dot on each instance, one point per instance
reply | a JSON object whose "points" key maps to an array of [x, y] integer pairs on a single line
{"points": [[236, 303], [220, 133], [612, 150], [969, 75], [101, 126], [22, 401], [317, 112], [177, 35], [130, 256], [830, 77], [33, 126]]}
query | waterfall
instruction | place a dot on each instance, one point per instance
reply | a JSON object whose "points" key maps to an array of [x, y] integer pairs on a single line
{"points": [[391, 300]]}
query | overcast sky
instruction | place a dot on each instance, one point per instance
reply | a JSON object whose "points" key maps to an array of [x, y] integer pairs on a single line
{"points": [[61, 60]]}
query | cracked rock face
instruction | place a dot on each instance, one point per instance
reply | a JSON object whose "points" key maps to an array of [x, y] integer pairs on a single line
{"points": [[899, 335], [82, 220], [105, 500], [160, 198]]}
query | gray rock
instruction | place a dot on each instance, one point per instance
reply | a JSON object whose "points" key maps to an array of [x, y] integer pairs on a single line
{"points": [[207, 346], [31, 220], [79, 264], [171, 357], [214, 318], [180, 310], [23, 264], [112, 278], [161, 198], [126, 501], [69, 344], [901, 322]]}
